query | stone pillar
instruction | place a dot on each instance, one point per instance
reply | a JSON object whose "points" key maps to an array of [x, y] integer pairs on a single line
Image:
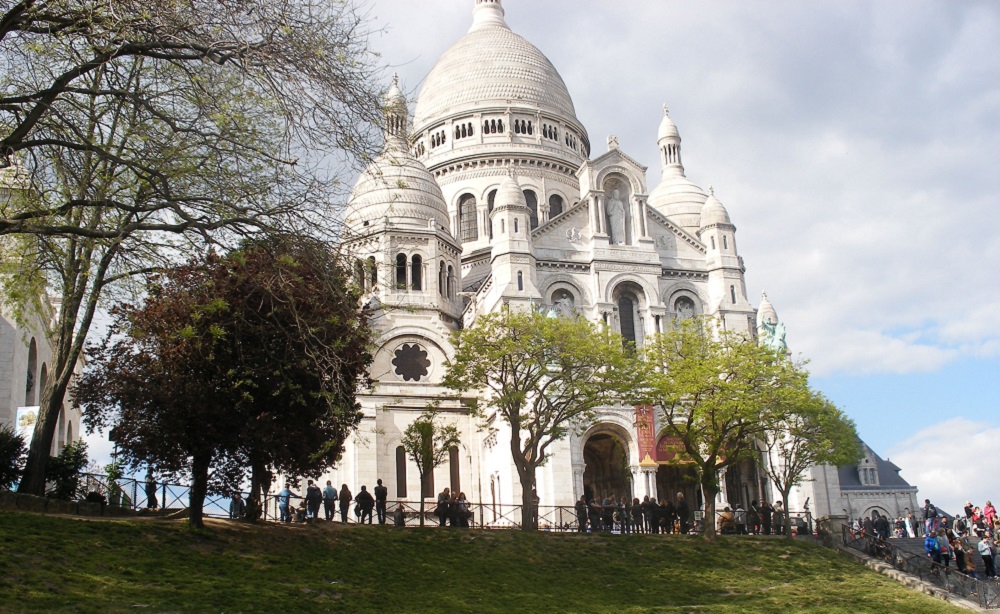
{"points": [[643, 220], [602, 215]]}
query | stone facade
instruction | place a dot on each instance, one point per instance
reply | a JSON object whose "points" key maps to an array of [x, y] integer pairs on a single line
{"points": [[492, 198]]}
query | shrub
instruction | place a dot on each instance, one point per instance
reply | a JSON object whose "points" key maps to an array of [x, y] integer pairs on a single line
{"points": [[64, 470], [12, 455]]}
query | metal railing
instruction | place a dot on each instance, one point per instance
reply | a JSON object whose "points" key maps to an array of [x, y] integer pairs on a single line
{"points": [[985, 593]]}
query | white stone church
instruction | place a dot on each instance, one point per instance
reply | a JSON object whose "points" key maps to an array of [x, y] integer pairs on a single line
{"points": [[494, 195]]}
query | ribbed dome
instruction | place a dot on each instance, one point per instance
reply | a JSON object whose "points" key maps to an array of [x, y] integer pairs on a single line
{"points": [[488, 67], [681, 200], [713, 212], [509, 194], [398, 187]]}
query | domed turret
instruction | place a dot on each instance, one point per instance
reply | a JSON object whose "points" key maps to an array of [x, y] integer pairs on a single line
{"points": [[396, 185], [676, 196], [713, 212], [766, 313]]}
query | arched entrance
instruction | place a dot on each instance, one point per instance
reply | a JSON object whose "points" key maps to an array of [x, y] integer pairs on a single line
{"points": [[607, 467], [675, 474]]}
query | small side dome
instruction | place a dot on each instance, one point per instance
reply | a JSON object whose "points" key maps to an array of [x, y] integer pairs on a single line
{"points": [[509, 194], [397, 187], [680, 200], [766, 313], [713, 212]]}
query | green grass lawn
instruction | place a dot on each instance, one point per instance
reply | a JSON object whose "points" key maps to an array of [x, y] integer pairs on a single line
{"points": [[57, 563]]}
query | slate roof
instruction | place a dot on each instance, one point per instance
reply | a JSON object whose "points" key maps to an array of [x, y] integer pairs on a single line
{"points": [[888, 475]]}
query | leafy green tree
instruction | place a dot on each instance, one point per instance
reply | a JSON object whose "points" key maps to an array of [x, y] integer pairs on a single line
{"points": [[543, 376], [427, 441], [12, 450], [64, 470], [806, 430], [134, 133], [715, 391], [246, 361]]}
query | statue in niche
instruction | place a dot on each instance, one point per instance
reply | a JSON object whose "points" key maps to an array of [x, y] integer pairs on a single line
{"points": [[616, 218], [684, 308], [563, 304]]}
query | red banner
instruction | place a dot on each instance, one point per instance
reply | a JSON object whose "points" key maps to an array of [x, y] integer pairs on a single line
{"points": [[644, 431], [669, 448]]}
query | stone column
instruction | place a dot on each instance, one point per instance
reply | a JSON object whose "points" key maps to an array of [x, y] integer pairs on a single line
{"points": [[602, 215], [643, 220]]}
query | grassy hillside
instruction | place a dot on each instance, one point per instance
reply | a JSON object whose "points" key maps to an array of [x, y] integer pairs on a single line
{"points": [[54, 563]]}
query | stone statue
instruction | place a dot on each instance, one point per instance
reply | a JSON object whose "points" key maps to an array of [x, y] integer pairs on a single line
{"points": [[616, 218], [773, 335]]}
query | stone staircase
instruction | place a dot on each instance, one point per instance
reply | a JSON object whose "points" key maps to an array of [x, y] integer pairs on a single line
{"points": [[916, 546]]}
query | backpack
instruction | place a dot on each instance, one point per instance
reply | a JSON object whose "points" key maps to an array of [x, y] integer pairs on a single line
{"points": [[931, 545]]}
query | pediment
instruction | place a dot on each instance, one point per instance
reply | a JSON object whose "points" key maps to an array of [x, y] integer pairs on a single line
{"points": [[671, 237]]}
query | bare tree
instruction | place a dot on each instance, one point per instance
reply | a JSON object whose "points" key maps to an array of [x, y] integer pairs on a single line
{"points": [[136, 132], [428, 443]]}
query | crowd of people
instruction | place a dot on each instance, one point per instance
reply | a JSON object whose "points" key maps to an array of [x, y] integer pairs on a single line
{"points": [[948, 540], [651, 516], [329, 498]]}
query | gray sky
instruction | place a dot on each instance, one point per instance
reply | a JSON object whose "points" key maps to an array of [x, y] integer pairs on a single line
{"points": [[855, 146]]}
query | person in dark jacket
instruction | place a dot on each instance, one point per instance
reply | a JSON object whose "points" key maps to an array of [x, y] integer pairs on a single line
{"points": [[345, 502], [655, 515], [669, 514], [381, 494], [365, 503], [595, 510], [314, 497], [638, 523], [682, 511], [646, 517], [151, 502], [581, 514]]}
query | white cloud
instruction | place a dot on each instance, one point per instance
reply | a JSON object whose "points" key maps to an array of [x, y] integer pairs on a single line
{"points": [[951, 463]]}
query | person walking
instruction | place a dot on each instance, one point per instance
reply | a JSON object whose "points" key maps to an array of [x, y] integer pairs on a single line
{"points": [[930, 518], [381, 494], [329, 501], [345, 502]]}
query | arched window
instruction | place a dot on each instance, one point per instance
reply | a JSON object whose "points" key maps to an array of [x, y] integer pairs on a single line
{"points": [[372, 272], [713, 242], [532, 201], [555, 205], [725, 242], [467, 218], [503, 227], [520, 281], [626, 315], [684, 308], [359, 274], [400, 472], [490, 198], [451, 282], [43, 380], [401, 271], [69, 433], [516, 229], [500, 126], [416, 270], [441, 279], [732, 293], [456, 473]]}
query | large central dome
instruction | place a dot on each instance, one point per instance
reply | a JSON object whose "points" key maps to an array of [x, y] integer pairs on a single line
{"points": [[491, 66]]}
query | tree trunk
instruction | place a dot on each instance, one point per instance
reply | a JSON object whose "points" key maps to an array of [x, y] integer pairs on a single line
{"points": [[33, 478], [254, 503], [199, 488], [423, 484], [785, 510], [711, 492], [529, 512]]}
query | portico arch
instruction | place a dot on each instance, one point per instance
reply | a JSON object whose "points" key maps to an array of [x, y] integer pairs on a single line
{"points": [[607, 456]]}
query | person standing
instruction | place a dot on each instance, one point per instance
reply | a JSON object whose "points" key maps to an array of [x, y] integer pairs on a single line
{"points": [[581, 514], [345, 502], [381, 494], [766, 515], [646, 514], [237, 507], [399, 516], [151, 503], [637, 519], [314, 496], [443, 505], [284, 500], [329, 501], [681, 509], [365, 502], [989, 562], [930, 518], [740, 517]]}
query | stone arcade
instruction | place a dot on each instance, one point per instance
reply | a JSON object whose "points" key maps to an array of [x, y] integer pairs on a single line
{"points": [[493, 197]]}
